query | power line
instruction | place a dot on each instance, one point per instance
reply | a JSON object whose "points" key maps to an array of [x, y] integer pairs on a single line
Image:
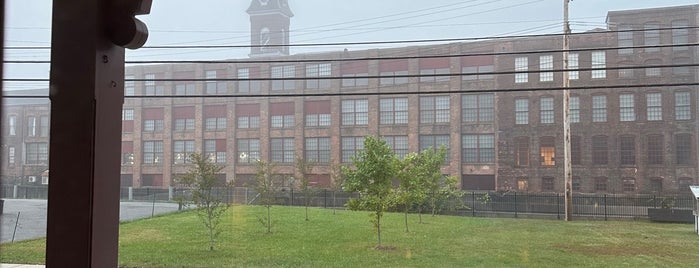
{"points": [[384, 42], [378, 76], [389, 93], [378, 58]]}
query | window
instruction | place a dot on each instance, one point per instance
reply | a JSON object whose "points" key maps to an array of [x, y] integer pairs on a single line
{"points": [[601, 184], [393, 111], [654, 109], [478, 108], [182, 151], [282, 150], [399, 144], [574, 106], [127, 120], [214, 87], [522, 154], [354, 74], [546, 111], [389, 69], [31, 126], [625, 39], [655, 149], [651, 36], [129, 85], [183, 118], [521, 67], [478, 148], [36, 153], [681, 66], [127, 157], [522, 184], [152, 119], [248, 86], [577, 183], [215, 118], [185, 89], [317, 113], [656, 185], [600, 150], [680, 36], [628, 184], [435, 142], [599, 108], [152, 152], [682, 105], [627, 150], [318, 70], [248, 151], [248, 115], [599, 62], [478, 68], [215, 150], [318, 150], [625, 70], [652, 70], [684, 184], [627, 111], [286, 71], [435, 66], [575, 150], [153, 87], [282, 115], [44, 126], [547, 184], [545, 66], [434, 109], [547, 148], [350, 147], [683, 149], [11, 155], [355, 112], [13, 125], [573, 64], [521, 111]]}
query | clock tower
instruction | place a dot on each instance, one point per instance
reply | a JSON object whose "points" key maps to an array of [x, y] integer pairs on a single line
{"points": [[269, 27]]}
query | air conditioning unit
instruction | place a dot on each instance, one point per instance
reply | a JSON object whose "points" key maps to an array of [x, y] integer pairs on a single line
{"points": [[32, 179]]}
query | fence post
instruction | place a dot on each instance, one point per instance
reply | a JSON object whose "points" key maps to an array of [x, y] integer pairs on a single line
{"points": [[473, 209], [325, 198], [246, 195], [516, 205], [130, 193], [605, 207], [558, 206], [169, 193], [14, 191], [292, 196]]}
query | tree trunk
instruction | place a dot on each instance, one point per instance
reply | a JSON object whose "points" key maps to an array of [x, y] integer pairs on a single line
{"points": [[419, 213], [306, 211], [334, 206], [406, 218], [378, 227], [269, 221]]}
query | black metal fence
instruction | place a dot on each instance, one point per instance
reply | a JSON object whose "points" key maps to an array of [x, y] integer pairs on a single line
{"points": [[476, 204]]}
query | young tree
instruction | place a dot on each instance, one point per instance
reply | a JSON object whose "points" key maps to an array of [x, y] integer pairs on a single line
{"points": [[336, 185], [267, 184], [410, 184], [446, 191], [210, 202], [374, 169], [303, 170], [430, 169]]}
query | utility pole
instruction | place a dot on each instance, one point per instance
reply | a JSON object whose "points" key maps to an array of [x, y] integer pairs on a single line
{"points": [[567, 168]]}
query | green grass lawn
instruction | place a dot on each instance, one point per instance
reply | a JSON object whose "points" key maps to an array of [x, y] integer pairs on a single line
{"points": [[348, 239]]}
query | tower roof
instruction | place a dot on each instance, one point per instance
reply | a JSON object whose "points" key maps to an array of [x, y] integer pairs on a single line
{"points": [[270, 6]]}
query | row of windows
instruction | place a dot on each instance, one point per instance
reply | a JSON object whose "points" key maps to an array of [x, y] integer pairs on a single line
{"points": [[602, 184], [36, 126], [627, 108], [652, 36], [654, 147], [476, 108]]}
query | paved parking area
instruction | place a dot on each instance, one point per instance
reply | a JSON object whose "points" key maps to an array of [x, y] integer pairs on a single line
{"points": [[32, 217]]}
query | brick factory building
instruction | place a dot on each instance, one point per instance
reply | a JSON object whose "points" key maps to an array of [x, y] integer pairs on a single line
{"points": [[626, 138]]}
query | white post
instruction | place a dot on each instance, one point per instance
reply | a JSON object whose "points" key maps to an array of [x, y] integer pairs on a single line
{"points": [[14, 191], [130, 193], [169, 193]]}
